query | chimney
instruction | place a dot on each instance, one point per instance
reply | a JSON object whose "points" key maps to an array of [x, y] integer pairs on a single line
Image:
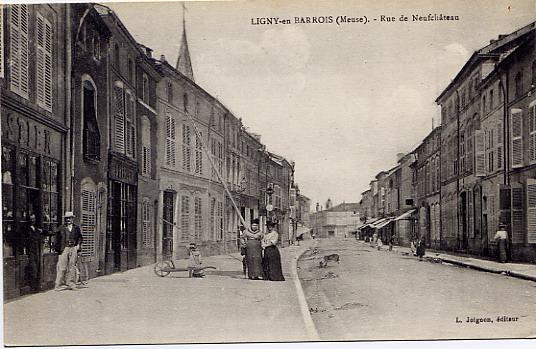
{"points": [[148, 52], [163, 58], [502, 36], [399, 156], [492, 41]]}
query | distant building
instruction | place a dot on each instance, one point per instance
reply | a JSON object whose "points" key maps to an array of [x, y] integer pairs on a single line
{"points": [[337, 222]]}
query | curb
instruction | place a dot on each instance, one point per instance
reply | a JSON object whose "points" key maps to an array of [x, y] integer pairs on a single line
{"points": [[307, 319], [506, 272]]}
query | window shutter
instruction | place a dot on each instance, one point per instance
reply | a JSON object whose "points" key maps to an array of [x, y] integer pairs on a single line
{"points": [[119, 132], [128, 117], [186, 150], [470, 214], [532, 132], [500, 149], [198, 219], [170, 142], [517, 138], [198, 156], [19, 49], [518, 235], [88, 222], [1, 41], [185, 219], [531, 211], [480, 153]]}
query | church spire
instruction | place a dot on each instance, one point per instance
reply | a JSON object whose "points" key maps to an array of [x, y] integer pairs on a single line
{"points": [[184, 64]]}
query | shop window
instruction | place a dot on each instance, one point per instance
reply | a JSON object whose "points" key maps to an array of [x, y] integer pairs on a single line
{"points": [[91, 134], [8, 190], [50, 194]]}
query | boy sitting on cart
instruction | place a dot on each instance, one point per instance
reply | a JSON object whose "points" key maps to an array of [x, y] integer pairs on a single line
{"points": [[195, 261]]}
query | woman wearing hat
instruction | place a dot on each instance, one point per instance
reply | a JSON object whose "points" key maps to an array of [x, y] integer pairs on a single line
{"points": [[272, 258], [194, 261], [253, 252], [501, 237]]}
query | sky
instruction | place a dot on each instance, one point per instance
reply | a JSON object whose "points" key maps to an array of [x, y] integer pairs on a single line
{"points": [[339, 100]]}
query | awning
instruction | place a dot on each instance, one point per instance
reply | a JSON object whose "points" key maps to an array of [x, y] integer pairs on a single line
{"points": [[380, 222], [383, 224], [405, 215]]}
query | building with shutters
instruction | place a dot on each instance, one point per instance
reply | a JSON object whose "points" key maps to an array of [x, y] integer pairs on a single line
{"points": [[122, 188], [427, 185], [147, 78], [338, 221], [89, 96], [36, 117], [499, 187], [510, 197]]}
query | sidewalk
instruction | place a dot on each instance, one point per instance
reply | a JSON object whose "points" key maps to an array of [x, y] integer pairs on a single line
{"points": [[138, 307], [518, 270]]}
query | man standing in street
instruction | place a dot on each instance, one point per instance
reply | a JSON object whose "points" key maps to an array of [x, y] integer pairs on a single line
{"points": [[68, 242]]}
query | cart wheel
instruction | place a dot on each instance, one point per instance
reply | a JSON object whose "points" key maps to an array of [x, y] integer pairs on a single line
{"points": [[162, 269]]}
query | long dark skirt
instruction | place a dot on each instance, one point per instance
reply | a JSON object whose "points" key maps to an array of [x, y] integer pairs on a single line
{"points": [[502, 250], [254, 258], [272, 264]]}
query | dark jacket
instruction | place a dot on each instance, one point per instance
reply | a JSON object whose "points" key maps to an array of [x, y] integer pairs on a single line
{"points": [[63, 236]]}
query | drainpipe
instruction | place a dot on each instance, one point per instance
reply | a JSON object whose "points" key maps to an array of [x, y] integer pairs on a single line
{"points": [[68, 104]]}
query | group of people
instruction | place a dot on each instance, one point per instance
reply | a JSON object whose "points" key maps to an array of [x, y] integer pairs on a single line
{"points": [[261, 255]]}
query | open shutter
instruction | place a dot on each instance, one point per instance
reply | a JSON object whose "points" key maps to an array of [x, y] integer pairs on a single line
{"points": [[480, 153], [88, 221], [517, 137], [186, 149], [119, 131], [185, 219], [500, 147], [170, 141], [531, 211], [470, 214], [47, 74], [44, 63], [532, 132], [19, 50], [518, 226]]}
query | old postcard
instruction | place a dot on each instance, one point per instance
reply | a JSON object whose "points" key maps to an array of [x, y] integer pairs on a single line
{"points": [[268, 171]]}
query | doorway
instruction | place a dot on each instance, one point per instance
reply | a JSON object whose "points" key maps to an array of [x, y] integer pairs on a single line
{"points": [[168, 224]]}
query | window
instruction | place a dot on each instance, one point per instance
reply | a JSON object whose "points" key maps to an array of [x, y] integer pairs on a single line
{"points": [[516, 127], [484, 106], [91, 134], [147, 228], [198, 218], [19, 49], [8, 201], [500, 145], [170, 140], [185, 102], [146, 146], [131, 71], [124, 124], [491, 101], [50, 193], [198, 156], [186, 148], [88, 220], [518, 84], [213, 219]]}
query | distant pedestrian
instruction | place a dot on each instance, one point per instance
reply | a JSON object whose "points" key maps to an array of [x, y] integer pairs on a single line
{"points": [[68, 243], [501, 237], [272, 258], [413, 247], [421, 248], [194, 261], [379, 243], [391, 242]]}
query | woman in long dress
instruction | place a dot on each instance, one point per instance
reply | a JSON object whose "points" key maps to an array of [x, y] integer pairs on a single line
{"points": [[253, 239], [501, 237], [272, 258]]}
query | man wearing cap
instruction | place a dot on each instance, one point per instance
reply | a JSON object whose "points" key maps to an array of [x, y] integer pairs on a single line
{"points": [[68, 242]]}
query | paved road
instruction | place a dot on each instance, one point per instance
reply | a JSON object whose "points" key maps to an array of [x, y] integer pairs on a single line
{"points": [[384, 295], [138, 307]]}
